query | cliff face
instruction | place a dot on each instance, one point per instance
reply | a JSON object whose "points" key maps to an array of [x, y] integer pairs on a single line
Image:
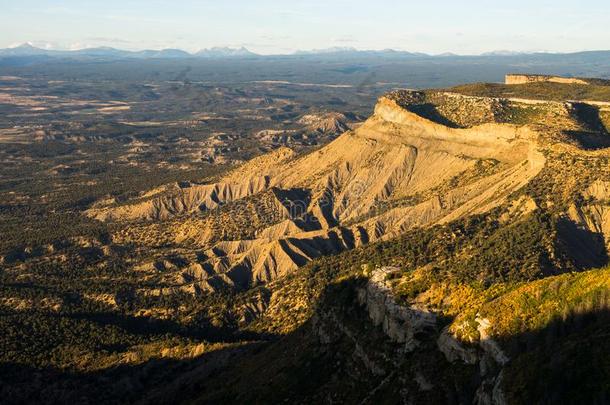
{"points": [[416, 326], [523, 79], [400, 323]]}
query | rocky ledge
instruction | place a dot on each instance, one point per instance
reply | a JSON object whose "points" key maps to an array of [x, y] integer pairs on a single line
{"points": [[402, 324], [411, 325]]}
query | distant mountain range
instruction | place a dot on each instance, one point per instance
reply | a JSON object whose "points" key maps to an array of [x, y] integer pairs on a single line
{"points": [[350, 50], [217, 52], [27, 51]]}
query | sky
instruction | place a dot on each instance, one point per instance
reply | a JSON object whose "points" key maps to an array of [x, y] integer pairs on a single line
{"points": [[278, 27]]}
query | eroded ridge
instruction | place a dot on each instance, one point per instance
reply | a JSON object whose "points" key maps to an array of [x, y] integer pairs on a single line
{"points": [[411, 164]]}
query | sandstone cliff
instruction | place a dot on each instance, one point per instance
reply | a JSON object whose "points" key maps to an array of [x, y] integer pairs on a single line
{"points": [[523, 79]]}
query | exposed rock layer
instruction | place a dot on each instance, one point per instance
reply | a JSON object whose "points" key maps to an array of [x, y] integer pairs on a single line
{"points": [[397, 171]]}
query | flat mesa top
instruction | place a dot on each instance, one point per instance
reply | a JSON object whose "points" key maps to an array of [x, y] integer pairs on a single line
{"points": [[551, 106], [541, 87]]}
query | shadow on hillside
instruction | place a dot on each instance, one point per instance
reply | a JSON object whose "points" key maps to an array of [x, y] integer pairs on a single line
{"points": [[124, 383], [430, 112], [589, 117], [565, 362], [590, 140], [148, 327], [594, 134], [587, 249]]}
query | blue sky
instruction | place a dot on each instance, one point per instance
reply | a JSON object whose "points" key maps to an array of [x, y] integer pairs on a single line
{"points": [[273, 26]]}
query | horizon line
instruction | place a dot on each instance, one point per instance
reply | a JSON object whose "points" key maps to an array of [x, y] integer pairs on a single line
{"points": [[301, 52]]}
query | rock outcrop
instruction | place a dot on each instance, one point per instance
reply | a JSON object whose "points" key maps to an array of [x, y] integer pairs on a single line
{"points": [[402, 324], [330, 123], [485, 353], [413, 328], [523, 79], [594, 214]]}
